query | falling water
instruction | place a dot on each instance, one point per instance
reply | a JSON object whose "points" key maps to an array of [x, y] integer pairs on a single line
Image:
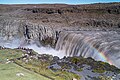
{"points": [[100, 45]]}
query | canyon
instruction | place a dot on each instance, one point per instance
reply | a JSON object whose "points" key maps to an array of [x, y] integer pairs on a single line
{"points": [[89, 30]]}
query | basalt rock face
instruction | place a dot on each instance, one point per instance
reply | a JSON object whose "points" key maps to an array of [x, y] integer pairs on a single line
{"points": [[60, 16], [42, 23], [27, 32]]}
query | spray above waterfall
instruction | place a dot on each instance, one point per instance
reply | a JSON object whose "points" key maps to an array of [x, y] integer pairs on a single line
{"points": [[94, 45], [103, 57], [45, 50], [102, 46], [97, 45]]}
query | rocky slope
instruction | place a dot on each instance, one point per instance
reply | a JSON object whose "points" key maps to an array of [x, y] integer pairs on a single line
{"points": [[86, 68]]}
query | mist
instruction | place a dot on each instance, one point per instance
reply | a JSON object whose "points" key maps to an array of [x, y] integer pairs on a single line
{"points": [[45, 50], [15, 43]]}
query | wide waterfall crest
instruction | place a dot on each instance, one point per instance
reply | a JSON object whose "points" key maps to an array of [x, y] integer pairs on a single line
{"points": [[99, 45]]}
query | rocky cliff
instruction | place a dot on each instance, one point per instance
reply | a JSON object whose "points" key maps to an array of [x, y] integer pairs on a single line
{"points": [[44, 22]]}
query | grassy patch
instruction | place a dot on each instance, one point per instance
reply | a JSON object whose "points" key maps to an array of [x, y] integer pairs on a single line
{"points": [[9, 71], [34, 69], [9, 54], [80, 69], [41, 68], [98, 70]]}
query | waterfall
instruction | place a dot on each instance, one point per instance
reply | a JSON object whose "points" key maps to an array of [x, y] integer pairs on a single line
{"points": [[100, 45]]}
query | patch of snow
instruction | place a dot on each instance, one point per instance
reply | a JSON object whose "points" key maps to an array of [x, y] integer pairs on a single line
{"points": [[8, 62], [74, 79], [19, 74]]}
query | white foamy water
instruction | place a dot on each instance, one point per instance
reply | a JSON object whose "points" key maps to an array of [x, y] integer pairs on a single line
{"points": [[9, 43], [15, 43], [45, 50]]}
